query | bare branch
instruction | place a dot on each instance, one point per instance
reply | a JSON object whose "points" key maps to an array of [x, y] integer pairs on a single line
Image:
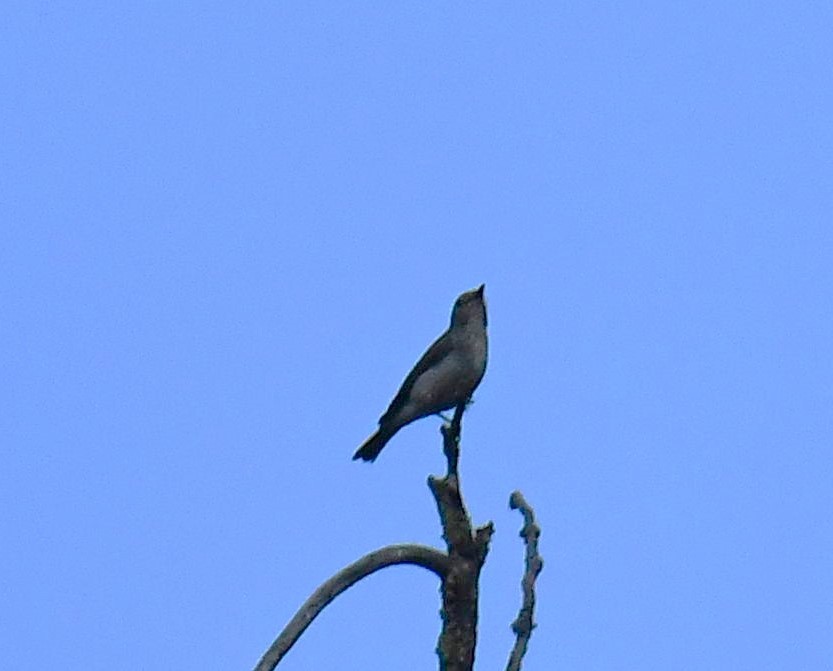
{"points": [[418, 555], [467, 552], [524, 624]]}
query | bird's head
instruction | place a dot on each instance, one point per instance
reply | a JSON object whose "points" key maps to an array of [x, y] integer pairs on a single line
{"points": [[470, 307]]}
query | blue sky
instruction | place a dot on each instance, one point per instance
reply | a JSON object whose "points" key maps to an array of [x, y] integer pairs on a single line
{"points": [[228, 231]]}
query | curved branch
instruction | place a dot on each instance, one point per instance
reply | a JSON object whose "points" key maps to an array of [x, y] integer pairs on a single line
{"points": [[524, 624], [418, 555]]}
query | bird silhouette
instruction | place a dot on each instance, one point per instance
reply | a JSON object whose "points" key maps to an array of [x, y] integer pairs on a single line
{"points": [[444, 377]]}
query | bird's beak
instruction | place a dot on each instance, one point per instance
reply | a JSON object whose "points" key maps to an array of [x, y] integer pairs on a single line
{"points": [[480, 289]]}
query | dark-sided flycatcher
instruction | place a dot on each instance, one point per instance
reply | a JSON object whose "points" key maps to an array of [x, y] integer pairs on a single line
{"points": [[445, 376]]}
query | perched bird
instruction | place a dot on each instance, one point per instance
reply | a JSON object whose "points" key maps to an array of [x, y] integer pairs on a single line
{"points": [[444, 378]]}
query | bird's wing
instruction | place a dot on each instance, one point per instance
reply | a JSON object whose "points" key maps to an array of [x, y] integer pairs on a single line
{"points": [[433, 355]]}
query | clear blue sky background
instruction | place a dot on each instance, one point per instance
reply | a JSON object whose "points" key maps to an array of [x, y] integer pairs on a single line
{"points": [[227, 231]]}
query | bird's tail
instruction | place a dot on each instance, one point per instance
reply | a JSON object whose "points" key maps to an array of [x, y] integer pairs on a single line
{"points": [[373, 445]]}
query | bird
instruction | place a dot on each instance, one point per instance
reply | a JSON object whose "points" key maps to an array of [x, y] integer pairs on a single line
{"points": [[445, 377]]}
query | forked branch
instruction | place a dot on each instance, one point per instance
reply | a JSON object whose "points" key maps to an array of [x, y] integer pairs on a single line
{"points": [[459, 571]]}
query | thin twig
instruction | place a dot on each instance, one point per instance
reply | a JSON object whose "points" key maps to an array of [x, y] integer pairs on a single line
{"points": [[451, 440], [524, 624]]}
